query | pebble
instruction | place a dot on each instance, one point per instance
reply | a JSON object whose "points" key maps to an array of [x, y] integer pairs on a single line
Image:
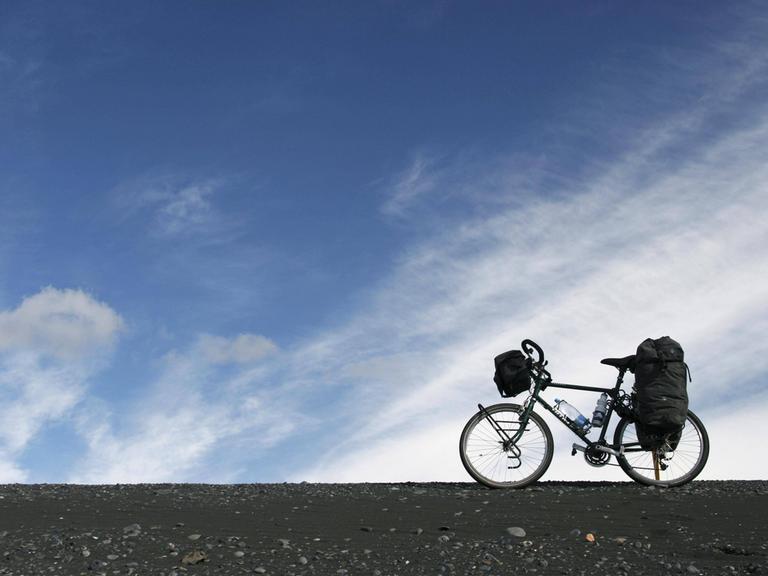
{"points": [[194, 557], [516, 531], [692, 569], [194, 536], [131, 530]]}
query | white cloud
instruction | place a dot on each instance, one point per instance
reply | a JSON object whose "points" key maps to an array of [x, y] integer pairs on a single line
{"points": [[50, 345], [419, 179], [243, 349], [36, 394], [64, 323], [10, 473], [177, 206], [193, 412], [187, 208], [735, 431]]}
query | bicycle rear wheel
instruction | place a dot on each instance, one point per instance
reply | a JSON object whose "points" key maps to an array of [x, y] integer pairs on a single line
{"points": [[657, 468], [490, 462]]}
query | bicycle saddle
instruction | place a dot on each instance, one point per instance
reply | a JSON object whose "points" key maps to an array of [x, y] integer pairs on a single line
{"points": [[621, 363]]}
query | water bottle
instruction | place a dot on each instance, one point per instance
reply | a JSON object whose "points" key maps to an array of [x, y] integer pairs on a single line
{"points": [[599, 414], [578, 418]]}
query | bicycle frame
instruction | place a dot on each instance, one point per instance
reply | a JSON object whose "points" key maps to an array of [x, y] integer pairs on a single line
{"points": [[541, 382]]}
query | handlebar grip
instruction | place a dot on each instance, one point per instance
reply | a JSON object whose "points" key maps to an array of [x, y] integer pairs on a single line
{"points": [[529, 346]]}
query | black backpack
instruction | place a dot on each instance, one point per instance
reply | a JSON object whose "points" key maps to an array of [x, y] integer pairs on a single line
{"points": [[512, 376], [661, 395]]}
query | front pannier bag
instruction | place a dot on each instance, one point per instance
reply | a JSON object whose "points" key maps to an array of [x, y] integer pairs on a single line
{"points": [[661, 406], [512, 376]]}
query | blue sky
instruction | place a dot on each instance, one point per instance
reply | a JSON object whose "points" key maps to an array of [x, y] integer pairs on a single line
{"points": [[250, 242]]}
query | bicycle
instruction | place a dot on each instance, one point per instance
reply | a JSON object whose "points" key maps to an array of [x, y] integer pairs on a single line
{"points": [[511, 446]]}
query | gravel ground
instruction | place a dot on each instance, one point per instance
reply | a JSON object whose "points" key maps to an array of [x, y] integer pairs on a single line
{"points": [[383, 529]]}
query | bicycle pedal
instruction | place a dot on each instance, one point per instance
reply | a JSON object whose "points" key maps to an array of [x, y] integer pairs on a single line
{"points": [[576, 447]]}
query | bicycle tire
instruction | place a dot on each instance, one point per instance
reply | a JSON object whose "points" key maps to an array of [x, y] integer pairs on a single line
{"points": [[694, 434], [481, 451]]}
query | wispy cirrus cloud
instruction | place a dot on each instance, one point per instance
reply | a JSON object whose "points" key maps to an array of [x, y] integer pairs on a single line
{"points": [[203, 404], [666, 238], [185, 209], [416, 181], [51, 345], [177, 206]]}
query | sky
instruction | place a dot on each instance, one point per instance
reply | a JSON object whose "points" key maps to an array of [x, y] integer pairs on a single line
{"points": [[265, 241]]}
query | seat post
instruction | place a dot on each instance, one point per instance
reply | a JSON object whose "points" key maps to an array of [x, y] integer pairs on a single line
{"points": [[620, 378]]}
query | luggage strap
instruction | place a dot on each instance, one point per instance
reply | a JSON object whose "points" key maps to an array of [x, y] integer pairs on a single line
{"points": [[664, 363]]}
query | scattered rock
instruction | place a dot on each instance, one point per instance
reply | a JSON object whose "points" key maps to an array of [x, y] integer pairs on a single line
{"points": [[131, 531], [516, 531], [194, 557]]}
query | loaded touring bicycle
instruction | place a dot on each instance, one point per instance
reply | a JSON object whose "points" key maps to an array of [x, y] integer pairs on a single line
{"points": [[657, 440]]}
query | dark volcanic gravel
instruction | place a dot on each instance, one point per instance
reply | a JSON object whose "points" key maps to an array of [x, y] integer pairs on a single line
{"points": [[383, 529]]}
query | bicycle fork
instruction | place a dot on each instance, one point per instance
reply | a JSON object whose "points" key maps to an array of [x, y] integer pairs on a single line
{"points": [[507, 443]]}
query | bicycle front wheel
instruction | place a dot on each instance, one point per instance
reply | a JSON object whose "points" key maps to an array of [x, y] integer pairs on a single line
{"points": [[657, 468], [490, 461]]}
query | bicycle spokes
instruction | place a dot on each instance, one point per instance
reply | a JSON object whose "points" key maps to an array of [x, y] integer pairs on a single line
{"points": [[501, 446]]}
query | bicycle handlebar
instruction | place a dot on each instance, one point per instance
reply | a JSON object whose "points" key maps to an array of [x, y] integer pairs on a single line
{"points": [[529, 346]]}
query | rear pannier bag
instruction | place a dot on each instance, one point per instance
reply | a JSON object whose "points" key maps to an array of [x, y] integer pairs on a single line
{"points": [[661, 403], [512, 376]]}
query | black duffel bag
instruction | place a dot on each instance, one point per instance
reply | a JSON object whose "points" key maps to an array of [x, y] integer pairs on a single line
{"points": [[661, 403], [512, 376]]}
